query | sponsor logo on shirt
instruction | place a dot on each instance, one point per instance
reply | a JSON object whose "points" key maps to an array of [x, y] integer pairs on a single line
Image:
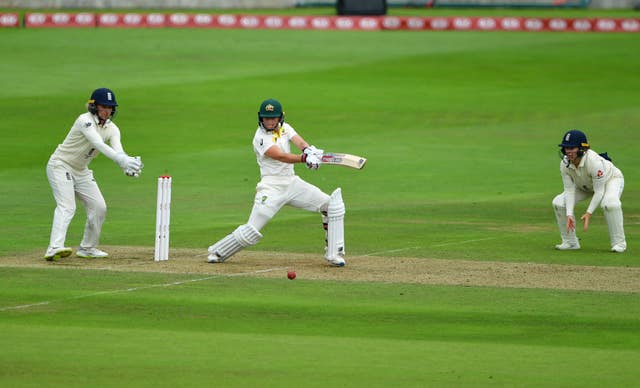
{"points": [[600, 174], [278, 133]]}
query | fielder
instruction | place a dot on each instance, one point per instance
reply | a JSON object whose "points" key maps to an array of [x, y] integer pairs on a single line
{"points": [[280, 186], [70, 177], [585, 173]]}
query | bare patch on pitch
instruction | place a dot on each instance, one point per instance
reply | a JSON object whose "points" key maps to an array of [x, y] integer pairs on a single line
{"points": [[359, 268]]}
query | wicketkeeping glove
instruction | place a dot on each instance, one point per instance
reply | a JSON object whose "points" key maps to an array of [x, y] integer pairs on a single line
{"points": [[133, 167]]}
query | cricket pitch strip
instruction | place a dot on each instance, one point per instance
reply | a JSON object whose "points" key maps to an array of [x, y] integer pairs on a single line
{"points": [[358, 269]]}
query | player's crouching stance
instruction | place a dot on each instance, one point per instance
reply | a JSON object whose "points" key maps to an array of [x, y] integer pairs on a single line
{"points": [[585, 173], [280, 186], [70, 177]]}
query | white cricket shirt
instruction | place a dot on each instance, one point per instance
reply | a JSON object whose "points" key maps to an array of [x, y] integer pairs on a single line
{"points": [[590, 176], [264, 140], [86, 140]]}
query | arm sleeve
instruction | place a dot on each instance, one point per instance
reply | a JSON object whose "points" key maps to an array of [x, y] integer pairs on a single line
{"points": [[569, 191], [94, 138], [115, 142], [291, 131], [597, 172], [261, 143]]}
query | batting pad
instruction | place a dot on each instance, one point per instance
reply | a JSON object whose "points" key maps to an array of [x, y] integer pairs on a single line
{"points": [[244, 236], [335, 235], [247, 235]]}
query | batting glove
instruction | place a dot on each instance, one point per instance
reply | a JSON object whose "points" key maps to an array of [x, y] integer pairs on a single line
{"points": [[312, 150], [313, 161]]}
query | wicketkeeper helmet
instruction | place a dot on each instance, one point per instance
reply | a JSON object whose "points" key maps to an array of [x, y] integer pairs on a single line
{"points": [[270, 108], [104, 97]]}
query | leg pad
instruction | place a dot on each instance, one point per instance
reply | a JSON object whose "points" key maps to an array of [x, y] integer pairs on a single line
{"points": [[335, 234], [244, 236]]}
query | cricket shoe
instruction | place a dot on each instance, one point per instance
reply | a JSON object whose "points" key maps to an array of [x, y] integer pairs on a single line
{"points": [[214, 258], [568, 246], [337, 261], [53, 254], [91, 253], [618, 248]]}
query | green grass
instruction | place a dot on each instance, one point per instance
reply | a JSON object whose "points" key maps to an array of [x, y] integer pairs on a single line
{"points": [[461, 132], [458, 128], [105, 328]]}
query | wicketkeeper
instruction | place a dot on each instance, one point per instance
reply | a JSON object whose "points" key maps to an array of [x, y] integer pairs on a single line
{"points": [[70, 177], [585, 173], [279, 186]]}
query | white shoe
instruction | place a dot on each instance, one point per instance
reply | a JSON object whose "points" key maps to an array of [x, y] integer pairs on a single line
{"points": [[91, 253], [618, 248], [213, 258], [567, 246], [337, 261], [54, 254]]}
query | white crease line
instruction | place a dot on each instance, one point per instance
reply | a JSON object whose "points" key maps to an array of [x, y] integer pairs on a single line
{"points": [[391, 251], [464, 242], [433, 246], [26, 306]]}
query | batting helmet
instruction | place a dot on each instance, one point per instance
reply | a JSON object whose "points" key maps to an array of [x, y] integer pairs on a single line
{"points": [[104, 97], [575, 138], [270, 108]]}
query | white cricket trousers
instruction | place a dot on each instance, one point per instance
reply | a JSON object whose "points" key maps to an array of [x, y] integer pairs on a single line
{"points": [[67, 184], [611, 206], [274, 192]]}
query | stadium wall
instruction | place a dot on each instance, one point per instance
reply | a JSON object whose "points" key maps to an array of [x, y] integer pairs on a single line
{"points": [[147, 4], [614, 3]]}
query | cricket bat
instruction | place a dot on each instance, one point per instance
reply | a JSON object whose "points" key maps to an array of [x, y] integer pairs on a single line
{"points": [[346, 160]]}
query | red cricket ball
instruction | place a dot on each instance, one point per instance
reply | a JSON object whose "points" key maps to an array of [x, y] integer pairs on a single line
{"points": [[291, 275]]}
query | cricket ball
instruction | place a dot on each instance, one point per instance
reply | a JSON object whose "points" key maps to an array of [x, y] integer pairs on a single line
{"points": [[291, 275]]}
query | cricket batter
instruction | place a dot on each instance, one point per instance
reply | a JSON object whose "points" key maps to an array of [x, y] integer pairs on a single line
{"points": [[585, 173], [70, 177], [280, 186]]}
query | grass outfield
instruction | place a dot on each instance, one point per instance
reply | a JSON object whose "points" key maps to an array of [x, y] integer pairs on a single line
{"points": [[114, 329], [460, 129]]}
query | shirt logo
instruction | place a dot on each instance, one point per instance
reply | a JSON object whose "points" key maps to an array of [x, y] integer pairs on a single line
{"points": [[87, 124], [599, 174], [263, 199], [277, 134]]}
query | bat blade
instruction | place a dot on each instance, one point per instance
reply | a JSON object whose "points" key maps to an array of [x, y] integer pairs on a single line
{"points": [[346, 160]]}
